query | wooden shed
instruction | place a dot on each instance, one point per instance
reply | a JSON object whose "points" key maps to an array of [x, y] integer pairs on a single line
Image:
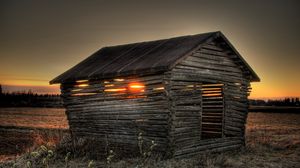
{"points": [[188, 94]]}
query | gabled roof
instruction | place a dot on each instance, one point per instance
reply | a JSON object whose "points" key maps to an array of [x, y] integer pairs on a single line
{"points": [[140, 58]]}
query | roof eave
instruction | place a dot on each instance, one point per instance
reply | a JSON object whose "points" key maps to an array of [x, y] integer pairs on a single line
{"points": [[254, 76]]}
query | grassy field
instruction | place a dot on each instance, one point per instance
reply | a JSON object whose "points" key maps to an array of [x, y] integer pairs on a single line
{"points": [[33, 117], [23, 129], [275, 109], [272, 140]]}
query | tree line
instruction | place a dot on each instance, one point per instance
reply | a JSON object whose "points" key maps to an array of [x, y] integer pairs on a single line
{"points": [[29, 99], [289, 101]]}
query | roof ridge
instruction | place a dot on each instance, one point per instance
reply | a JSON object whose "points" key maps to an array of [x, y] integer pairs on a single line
{"points": [[162, 39]]}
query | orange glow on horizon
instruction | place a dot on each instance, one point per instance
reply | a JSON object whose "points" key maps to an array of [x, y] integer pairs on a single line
{"points": [[22, 82], [266, 89], [259, 90], [40, 89], [276, 91]]}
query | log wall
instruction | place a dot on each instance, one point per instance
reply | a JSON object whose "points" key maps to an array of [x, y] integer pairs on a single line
{"points": [[117, 110], [208, 92]]}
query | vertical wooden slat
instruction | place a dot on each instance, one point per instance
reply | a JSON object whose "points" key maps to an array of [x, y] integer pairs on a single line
{"points": [[213, 110]]}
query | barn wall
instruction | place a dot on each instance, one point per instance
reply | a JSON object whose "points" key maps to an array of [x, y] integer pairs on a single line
{"points": [[108, 111], [214, 64]]}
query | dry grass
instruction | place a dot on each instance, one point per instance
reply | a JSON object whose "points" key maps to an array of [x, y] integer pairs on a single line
{"points": [[34, 117], [272, 140]]}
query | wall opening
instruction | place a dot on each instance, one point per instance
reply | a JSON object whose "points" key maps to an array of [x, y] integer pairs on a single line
{"points": [[117, 88], [212, 111]]}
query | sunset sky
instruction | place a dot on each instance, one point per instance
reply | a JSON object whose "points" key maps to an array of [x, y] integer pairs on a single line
{"points": [[40, 39]]}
